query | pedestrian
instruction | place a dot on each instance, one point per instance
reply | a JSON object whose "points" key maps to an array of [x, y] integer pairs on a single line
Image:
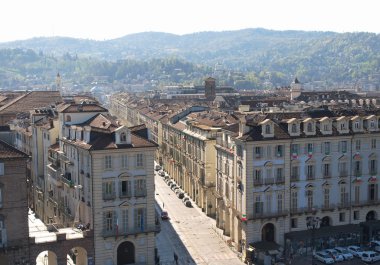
{"points": [[175, 258], [163, 205]]}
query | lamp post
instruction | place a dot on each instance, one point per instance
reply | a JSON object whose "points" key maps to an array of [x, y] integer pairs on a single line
{"points": [[312, 223]]}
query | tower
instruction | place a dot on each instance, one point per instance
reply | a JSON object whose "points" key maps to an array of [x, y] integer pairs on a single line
{"points": [[210, 85], [58, 82], [295, 89]]}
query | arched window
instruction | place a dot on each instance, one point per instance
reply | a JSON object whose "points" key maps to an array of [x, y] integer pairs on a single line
{"points": [[68, 118], [123, 137]]}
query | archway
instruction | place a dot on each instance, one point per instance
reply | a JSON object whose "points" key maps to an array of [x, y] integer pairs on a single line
{"points": [[77, 256], [325, 221], [267, 233], [126, 253], [371, 215], [46, 257]]}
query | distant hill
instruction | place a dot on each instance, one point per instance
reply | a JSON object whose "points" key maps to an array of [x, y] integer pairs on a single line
{"points": [[337, 57]]}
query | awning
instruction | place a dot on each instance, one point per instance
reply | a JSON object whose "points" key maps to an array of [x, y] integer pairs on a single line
{"points": [[326, 231]]}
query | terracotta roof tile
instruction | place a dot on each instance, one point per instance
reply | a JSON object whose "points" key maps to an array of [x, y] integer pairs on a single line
{"points": [[9, 152]]}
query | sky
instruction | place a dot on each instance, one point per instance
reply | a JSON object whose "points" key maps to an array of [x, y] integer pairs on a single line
{"points": [[109, 19]]}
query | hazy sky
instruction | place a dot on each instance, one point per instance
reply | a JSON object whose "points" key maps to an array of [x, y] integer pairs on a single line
{"points": [[107, 19]]}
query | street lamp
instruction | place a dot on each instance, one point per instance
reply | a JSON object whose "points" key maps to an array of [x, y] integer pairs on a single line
{"points": [[312, 223]]}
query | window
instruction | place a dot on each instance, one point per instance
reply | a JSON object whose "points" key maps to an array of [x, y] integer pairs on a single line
{"points": [[1, 195], [68, 118], [372, 192], [294, 128], [140, 160], [326, 127], [357, 168], [267, 129], [109, 190], [109, 222], [372, 124], [343, 146], [343, 196], [342, 167], [373, 143], [373, 167], [239, 150], [326, 146], [258, 205], [326, 170], [279, 150], [108, 162], [124, 161], [2, 231], [309, 148], [257, 176], [342, 126], [357, 194], [258, 152], [294, 149], [357, 144], [326, 198], [2, 169], [269, 173], [269, 152], [125, 188], [279, 175], [123, 137], [280, 202], [356, 215], [140, 219], [140, 187], [309, 195], [342, 217], [295, 173], [294, 222], [124, 216], [294, 204], [310, 172], [357, 125], [309, 127], [268, 203]]}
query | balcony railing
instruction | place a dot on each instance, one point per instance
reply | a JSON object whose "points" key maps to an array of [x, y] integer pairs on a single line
{"points": [[280, 180], [133, 231], [294, 178], [270, 214], [328, 207], [109, 196], [310, 177], [140, 193], [343, 174], [368, 202], [66, 178], [269, 181], [258, 182], [301, 210]]}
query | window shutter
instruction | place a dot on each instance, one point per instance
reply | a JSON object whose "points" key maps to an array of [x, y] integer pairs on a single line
{"points": [[104, 222]]}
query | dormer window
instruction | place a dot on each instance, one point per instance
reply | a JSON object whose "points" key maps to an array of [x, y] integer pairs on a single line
{"points": [[372, 124], [309, 127], [267, 129], [68, 118], [123, 137], [294, 128], [326, 127], [357, 125]]}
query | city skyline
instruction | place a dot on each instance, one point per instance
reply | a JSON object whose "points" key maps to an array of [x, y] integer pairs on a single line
{"points": [[99, 21]]}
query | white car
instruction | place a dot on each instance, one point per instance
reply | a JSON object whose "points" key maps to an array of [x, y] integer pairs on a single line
{"points": [[343, 251], [375, 244], [370, 256], [334, 254], [157, 167], [355, 250], [323, 257]]}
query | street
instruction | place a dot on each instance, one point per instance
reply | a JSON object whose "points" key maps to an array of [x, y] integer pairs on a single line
{"points": [[189, 233]]}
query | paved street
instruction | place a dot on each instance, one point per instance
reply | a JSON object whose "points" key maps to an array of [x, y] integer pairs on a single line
{"points": [[189, 233]]}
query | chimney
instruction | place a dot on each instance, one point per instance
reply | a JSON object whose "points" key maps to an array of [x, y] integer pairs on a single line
{"points": [[243, 128]]}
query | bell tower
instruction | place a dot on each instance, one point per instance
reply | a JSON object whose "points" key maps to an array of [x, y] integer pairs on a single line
{"points": [[295, 89]]}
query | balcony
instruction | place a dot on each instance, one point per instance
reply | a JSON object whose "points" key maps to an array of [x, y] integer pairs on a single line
{"points": [[66, 178], [280, 180], [344, 205], [343, 174], [310, 177], [327, 176], [363, 203], [258, 182], [224, 145], [328, 207], [109, 196], [140, 193], [65, 159], [269, 214], [269, 181], [302, 210], [133, 231], [294, 178], [55, 162]]}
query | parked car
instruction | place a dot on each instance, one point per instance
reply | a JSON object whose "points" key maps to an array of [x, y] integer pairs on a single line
{"points": [[185, 199], [344, 252], [170, 182], [375, 245], [323, 257], [161, 173], [188, 203], [164, 215], [370, 256], [355, 250], [180, 195], [173, 184], [157, 167], [334, 254]]}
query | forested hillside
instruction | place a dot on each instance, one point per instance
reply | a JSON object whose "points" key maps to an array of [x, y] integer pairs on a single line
{"points": [[326, 56]]}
